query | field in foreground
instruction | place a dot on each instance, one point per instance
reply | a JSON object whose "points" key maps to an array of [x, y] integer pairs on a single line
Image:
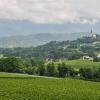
{"points": [[23, 87]]}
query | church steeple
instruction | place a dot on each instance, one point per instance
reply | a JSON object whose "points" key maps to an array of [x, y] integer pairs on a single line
{"points": [[93, 34], [91, 30]]}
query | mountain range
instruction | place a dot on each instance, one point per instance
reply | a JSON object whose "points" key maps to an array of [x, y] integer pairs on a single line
{"points": [[37, 39]]}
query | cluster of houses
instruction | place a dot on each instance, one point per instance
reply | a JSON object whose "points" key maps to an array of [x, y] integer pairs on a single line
{"points": [[48, 60], [87, 58]]}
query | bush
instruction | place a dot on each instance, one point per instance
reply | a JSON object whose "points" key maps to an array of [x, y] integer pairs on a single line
{"points": [[86, 73], [96, 59], [10, 64], [73, 73], [63, 70], [97, 74], [30, 70], [51, 69], [42, 70]]}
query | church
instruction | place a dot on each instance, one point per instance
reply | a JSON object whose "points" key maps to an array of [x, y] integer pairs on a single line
{"points": [[94, 36]]}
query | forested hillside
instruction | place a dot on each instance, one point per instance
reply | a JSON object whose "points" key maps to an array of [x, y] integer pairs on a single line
{"points": [[58, 50]]}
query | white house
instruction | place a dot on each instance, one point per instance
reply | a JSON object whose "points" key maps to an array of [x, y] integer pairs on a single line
{"points": [[98, 56], [87, 58]]}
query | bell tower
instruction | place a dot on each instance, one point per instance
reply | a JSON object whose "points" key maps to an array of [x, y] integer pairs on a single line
{"points": [[93, 34]]}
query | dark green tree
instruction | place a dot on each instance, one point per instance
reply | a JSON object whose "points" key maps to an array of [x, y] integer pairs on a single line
{"points": [[51, 69], [30, 70], [63, 70], [11, 64], [42, 70], [86, 73], [97, 74]]}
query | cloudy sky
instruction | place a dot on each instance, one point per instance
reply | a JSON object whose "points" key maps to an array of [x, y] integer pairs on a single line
{"points": [[17, 15]]}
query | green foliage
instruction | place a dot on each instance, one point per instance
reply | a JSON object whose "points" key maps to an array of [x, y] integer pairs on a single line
{"points": [[30, 70], [97, 74], [96, 59], [51, 69], [10, 64], [77, 64], [58, 50], [63, 70], [87, 69], [86, 73], [42, 70]]}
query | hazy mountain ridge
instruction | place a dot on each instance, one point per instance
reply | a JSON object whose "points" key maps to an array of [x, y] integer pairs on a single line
{"points": [[37, 39]]}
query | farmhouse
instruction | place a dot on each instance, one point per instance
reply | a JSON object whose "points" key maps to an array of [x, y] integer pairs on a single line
{"points": [[98, 56], [87, 58], [48, 60]]}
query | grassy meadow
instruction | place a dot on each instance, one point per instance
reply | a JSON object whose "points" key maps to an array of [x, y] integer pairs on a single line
{"points": [[76, 64], [24, 87]]}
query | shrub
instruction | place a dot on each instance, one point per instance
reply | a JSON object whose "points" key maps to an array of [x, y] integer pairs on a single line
{"points": [[86, 73], [63, 70], [51, 69]]}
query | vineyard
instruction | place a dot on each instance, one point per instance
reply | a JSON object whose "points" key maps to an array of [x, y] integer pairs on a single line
{"points": [[24, 87]]}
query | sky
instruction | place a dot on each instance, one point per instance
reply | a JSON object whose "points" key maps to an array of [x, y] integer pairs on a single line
{"points": [[51, 16]]}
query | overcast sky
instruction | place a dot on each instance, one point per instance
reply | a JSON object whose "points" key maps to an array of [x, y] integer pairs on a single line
{"points": [[51, 11]]}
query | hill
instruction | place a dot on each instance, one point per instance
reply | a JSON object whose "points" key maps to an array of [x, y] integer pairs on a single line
{"points": [[70, 49], [36, 39]]}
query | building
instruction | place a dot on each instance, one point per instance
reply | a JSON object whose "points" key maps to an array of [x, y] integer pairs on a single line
{"points": [[87, 58], [93, 34], [98, 56], [48, 60]]}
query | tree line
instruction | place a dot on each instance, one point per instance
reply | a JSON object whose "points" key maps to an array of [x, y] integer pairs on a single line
{"points": [[37, 67]]}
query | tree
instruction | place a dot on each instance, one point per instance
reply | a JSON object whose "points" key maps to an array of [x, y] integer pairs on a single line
{"points": [[30, 70], [86, 73], [96, 59], [63, 70], [72, 72], [11, 64], [97, 74], [51, 69], [41, 70]]}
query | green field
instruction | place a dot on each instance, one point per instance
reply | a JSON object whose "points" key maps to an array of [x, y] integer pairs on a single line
{"points": [[23, 87], [80, 64]]}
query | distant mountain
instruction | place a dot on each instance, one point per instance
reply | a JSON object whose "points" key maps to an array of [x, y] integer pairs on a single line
{"points": [[25, 27], [37, 39]]}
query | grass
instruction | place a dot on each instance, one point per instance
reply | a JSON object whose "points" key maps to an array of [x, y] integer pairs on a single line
{"points": [[76, 64], [25, 88], [12, 75]]}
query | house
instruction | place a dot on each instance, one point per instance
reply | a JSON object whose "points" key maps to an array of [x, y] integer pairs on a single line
{"points": [[98, 56], [87, 58], [48, 60]]}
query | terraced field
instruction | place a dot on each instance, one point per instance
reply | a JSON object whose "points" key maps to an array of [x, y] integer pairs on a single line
{"points": [[24, 87]]}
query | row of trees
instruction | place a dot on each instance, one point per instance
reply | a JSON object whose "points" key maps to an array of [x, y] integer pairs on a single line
{"points": [[63, 70], [90, 74], [17, 65]]}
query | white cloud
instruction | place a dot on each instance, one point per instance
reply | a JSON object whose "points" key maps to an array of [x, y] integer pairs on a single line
{"points": [[89, 21], [51, 11]]}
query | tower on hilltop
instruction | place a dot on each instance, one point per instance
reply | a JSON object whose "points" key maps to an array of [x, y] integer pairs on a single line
{"points": [[93, 34]]}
